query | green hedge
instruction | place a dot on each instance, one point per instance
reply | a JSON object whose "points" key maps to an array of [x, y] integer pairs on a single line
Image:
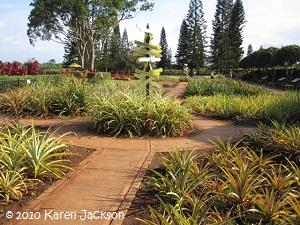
{"points": [[255, 75]]}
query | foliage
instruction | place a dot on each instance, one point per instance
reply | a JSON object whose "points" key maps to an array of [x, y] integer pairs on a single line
{"points": [[71, 52], [250, 50], [227, 37], [14, 68], [134, 114], [182, 49], [270, 57], [280, 138], [273, 74], [196, 27], [237, 185], [28, 154], [33, 67], [43, 99], [263, 107], [236, 26], [11, 185], [224, 86], [165, 60], [91, 22]]}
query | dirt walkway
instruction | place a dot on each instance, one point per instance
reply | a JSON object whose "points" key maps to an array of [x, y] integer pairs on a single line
{"points": [[108, 180]]}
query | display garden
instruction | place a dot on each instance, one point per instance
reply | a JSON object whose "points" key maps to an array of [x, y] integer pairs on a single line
{"points": [[250, 180]]}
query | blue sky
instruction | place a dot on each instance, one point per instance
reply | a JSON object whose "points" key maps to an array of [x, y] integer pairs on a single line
{"points": [[270, 22]]}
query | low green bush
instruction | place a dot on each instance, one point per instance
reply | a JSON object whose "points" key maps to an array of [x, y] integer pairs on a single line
{"points": [[122, 113], [265, 107], [224, 86]]}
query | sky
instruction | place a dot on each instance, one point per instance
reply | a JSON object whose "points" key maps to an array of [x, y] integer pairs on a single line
{"points": [[269, 23]]}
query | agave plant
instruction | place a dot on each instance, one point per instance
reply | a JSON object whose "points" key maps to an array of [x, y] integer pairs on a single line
{"points": [[11, 185]]}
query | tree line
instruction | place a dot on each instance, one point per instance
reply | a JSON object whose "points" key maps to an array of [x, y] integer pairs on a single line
{"points": [[84, 25], [89, 30], [272, 57]]}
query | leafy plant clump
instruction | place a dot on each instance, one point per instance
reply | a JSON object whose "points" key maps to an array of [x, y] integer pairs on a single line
{"points": [[232, 185], [264, 107], [221, 86], [28, 156], [43, 99], [130, 114]]}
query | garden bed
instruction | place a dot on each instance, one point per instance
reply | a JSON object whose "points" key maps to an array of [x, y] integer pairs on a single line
{"points": [[36, 190], [253, 181]]}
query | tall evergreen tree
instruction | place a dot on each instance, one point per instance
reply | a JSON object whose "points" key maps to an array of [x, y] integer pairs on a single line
{"points": [[125, 42], [183, 44], [236, 25], [196, 26], [220, 42], [169, 57], [71, 53], [116, 43], [216, 53], [165, 60], [250, 50]]}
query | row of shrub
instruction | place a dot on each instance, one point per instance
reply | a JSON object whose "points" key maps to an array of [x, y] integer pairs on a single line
{"points": [[224, 86], [229, 99], [273, 74], [28, 157], [16, 68], [239, 183], [117, 108], [179, 72], [270, 57], [263, 107]]}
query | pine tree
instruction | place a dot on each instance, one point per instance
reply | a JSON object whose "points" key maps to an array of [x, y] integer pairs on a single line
{"points": [[104, 59], [216, 53], [220, 42], [165, 60], [116, 43], [125, 42], [236, 26], [196, 26], [71, 54], [183, 44], [169, 57], [250, 50]]}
